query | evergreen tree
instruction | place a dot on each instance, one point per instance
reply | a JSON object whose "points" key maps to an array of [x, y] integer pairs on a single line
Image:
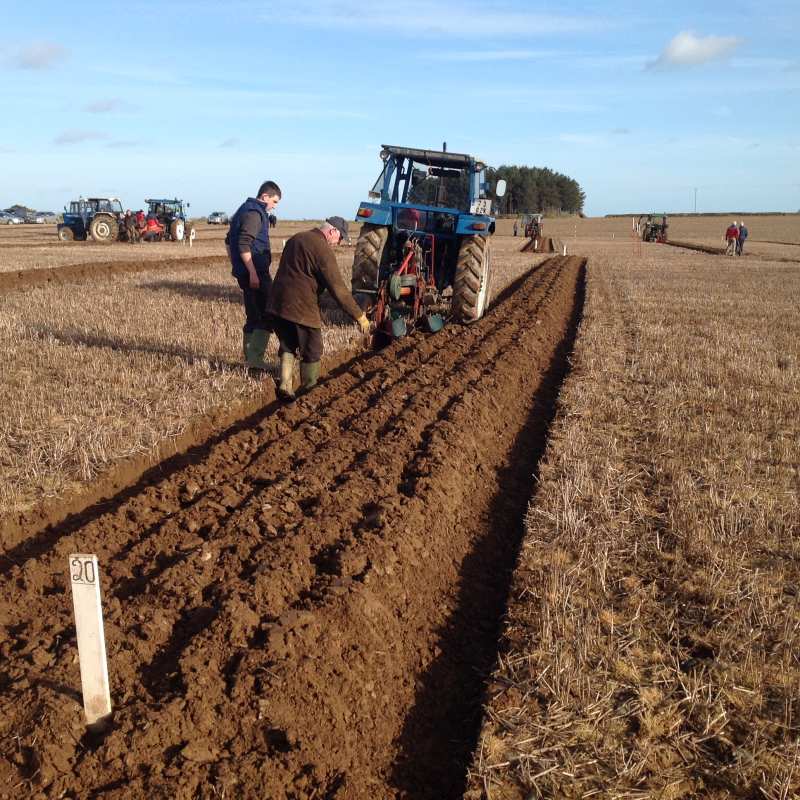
{"points": [[532, 190]]}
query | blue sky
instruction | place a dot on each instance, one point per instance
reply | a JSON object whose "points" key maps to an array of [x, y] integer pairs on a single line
{"points": [[639, 102]]}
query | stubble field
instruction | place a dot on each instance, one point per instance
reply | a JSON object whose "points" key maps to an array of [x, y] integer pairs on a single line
{"points": [[310, 602]]}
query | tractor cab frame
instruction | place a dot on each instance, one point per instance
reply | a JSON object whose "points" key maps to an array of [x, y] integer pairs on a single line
{"points": [[425, 230]]}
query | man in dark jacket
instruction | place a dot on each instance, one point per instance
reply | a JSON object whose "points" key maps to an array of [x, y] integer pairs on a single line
{"points": [[250, 255], [308, 267], [743, 234]]}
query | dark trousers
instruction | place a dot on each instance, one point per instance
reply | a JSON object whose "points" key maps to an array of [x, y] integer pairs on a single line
{"points": [[255, 304], [294, 338]]}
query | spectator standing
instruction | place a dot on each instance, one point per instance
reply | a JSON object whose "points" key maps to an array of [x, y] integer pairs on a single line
{"points": [[731, 239], [130, 227], [743, 234], [249, 251]]}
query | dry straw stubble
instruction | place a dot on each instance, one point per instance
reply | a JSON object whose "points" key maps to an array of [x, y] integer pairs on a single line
{"points": [[652, 647]]}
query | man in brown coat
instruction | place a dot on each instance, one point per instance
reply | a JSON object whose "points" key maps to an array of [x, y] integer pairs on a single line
{"points": [[308, 267]]}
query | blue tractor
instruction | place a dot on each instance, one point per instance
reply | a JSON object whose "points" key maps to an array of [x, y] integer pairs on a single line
{"points": [[423, 254], [98, 218], [172, 215]]}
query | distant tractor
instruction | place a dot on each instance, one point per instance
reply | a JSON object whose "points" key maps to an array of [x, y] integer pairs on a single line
{"points": [[97, 217], [532, 224], [653, 227], [537, 241], [171, 214], [423, 254]]}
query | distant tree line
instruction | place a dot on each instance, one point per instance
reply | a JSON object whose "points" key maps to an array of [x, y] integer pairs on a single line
{"points": [[533, 190]]}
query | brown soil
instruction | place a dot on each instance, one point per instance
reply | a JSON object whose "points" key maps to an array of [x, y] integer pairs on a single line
{"points": [[700, 248], [720, 251], [310, 605], [23, 279], [545, 245]]}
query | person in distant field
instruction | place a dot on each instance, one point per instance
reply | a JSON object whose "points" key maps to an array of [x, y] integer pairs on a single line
{"points": [[153, 229], [516, 227], [273, 221], [141, 222], [130, 227], [731, 239], [743, 234], [249, 251], [308, 267]]}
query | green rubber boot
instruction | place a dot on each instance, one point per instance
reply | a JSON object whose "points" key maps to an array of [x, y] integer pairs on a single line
{"points": [[285, 391], [309, 375], [255, 345]]}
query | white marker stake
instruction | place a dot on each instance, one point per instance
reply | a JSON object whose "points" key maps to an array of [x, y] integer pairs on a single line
{"points": [[85, 579]]}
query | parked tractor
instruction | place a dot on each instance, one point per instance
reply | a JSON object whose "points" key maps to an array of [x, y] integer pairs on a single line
{"points": [[97, 217], [653, 227], [171, 214], [423, 255]]}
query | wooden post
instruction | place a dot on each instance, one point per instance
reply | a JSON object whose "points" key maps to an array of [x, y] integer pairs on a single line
{"points": [[85, 580]]}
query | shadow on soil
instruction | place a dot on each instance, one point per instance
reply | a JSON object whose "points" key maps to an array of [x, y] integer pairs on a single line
{"points": [[442, 730], [84, 339], [197, 291]]}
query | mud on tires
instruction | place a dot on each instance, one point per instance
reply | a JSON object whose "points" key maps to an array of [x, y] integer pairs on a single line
{"points": [[177, 230], [104, 229], [65, 233], [367, 260], [471, 284]]}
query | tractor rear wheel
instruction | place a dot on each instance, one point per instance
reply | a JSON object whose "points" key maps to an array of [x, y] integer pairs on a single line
{"points": [[104, 229], [65, 233], [471, 285], [177, 230], [367, 260]]}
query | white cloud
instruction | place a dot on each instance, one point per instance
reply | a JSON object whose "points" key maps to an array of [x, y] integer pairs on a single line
{"points": [[415, 18], [688, 50], [122, 144], [76, 137], [104, 106], [39, 55], [490, 55]]}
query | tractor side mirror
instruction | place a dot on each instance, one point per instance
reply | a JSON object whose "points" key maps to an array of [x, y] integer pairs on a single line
{"points": [[500, 189]]}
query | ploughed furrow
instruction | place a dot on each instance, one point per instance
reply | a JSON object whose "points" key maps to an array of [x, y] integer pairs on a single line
{"points": [[70, 273], [308, 609]]}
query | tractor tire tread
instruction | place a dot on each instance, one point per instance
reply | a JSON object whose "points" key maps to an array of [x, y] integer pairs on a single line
{"points": [[469, 278], [368, 255]]}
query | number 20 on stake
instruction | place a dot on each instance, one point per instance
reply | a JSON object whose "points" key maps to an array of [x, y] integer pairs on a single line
{"points": [[85, 581]]}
